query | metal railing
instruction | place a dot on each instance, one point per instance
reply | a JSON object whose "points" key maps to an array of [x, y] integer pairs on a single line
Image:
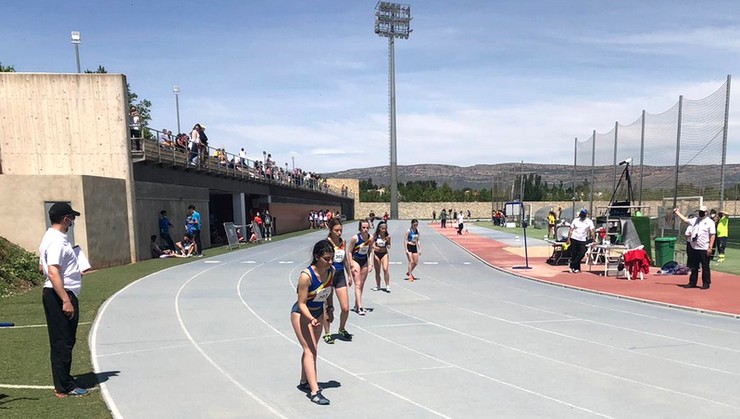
{"points": [[163, 149]]}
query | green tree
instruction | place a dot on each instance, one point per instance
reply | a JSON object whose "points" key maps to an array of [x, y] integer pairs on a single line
{"points": [[143, 106], [6, 69]]}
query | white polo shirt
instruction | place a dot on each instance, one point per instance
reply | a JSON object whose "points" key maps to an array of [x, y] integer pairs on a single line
{"points": [[56, 250], [702, 230], [580, 228]]}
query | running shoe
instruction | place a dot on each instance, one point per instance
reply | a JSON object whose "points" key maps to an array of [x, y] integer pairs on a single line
{"points": [[76, 392], [305, 387], [375, 289], [411, 278], [345, 334], [328, 339], [318, 398], [387, 289], [361, 311]]}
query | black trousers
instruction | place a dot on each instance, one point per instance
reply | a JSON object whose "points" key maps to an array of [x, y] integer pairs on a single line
{"points": [[577, 252], [700, 261], [168, 239], [444, 223], [196, 239], [460, 228], [62, 338]]}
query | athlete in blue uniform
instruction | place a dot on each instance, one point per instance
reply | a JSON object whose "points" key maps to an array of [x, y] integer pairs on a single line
{"points": [[360, 248], [314, 303], [413, 248], [342, 279]]}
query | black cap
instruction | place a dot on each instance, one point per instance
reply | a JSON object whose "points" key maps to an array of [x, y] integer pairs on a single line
{"points": [[61, 209]]}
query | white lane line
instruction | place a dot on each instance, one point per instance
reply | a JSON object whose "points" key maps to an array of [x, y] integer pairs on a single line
{"points": [[394, 263], [35, 325], [208, 358], [557, 361], [94, 341], [337, 366], [466, 263], [136, 351], [401, 324], [287, 262], [212, 261], [504, 383], [431, 263], [405, 370], [547, 321], [248, 261]]}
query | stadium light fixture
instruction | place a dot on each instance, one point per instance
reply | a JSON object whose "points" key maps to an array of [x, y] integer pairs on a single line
{"points": [[392, 20]]}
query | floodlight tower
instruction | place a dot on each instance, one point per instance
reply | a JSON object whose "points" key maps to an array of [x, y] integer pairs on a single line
{"points": [[76, 40], [393, 20]]}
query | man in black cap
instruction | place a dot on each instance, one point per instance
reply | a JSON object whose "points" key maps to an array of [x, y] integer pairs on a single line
{"points": [[63, 283]]}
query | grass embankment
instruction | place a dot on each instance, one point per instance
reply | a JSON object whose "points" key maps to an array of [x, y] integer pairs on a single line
{"points": [[24, 349], [731, 264]]}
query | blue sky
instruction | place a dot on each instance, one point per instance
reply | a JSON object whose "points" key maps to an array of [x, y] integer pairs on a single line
{"points": [[478, 82]]}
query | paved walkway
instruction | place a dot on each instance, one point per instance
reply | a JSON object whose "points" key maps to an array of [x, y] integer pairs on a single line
{"points": [[504, 251]]}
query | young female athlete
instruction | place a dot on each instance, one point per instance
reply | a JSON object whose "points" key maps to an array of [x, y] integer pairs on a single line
{"points": [[342, 279], [314, 303], [360, 248], [413, 248], [381, 241]]}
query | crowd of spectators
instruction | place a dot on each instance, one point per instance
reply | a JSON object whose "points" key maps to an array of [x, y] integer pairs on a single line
{"points": [[197, 153], [319, 219]]}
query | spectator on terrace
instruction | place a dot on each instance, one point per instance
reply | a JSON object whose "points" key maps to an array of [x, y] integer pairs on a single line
{"points": [[135, 126], [194, 145], [182, 141], [242, 157], [165, 140]]}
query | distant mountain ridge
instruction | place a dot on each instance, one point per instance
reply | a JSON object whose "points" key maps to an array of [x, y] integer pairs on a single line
{"points": [[483, 175]]}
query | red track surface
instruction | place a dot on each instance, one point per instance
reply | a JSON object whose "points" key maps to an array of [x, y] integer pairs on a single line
{"points": [[722, 297]]}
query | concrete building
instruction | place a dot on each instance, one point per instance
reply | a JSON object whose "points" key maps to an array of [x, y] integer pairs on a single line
{"points": [[67, 138]]}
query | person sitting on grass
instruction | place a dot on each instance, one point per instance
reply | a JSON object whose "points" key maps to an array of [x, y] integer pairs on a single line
{"points": [[187, 247], [157, 251]]}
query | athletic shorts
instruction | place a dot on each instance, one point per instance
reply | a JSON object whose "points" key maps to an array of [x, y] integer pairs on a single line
{"points": [[412, 248], [315, 312], [340, 279], [361, 261]]}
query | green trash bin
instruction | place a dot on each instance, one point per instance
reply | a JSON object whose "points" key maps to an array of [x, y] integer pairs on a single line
{"points": [[664, 250]]}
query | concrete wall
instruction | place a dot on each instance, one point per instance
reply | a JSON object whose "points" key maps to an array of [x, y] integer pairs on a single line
{"points": [[64, 124], [102, 231], [423, 210], [70, 125], [294, 217], [151, 198], [106, 221]]}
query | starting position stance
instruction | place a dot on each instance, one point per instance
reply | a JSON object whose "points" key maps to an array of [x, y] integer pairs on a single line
{"points": [[381, 241], [360, 249], [314, 303], [342, 279]]}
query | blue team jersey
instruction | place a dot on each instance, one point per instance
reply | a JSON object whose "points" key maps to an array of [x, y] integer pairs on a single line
{"points": [[196, 219]]}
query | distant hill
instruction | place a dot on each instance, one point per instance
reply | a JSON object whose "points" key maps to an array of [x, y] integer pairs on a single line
{"points": [[482, 175]]}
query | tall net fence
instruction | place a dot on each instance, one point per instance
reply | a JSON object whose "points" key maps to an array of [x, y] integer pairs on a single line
{"points": [[673, 155]]}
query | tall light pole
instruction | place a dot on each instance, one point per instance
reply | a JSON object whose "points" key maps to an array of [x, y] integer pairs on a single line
{"points": [[76, 40], [393, 20], [293, 158], [176, 91]]}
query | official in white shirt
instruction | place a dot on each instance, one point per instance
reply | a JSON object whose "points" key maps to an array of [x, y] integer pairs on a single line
{"points": [[61, 289], [702, 237], [581, 230]]}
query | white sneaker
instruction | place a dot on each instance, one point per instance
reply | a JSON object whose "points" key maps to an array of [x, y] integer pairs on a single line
{"points": [[374, 289]]}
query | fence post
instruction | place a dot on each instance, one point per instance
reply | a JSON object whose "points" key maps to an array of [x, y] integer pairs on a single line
{"points": [[724, 146], [575, 164], [593, 174], [678, 150], [642, 152], [614, 175]]}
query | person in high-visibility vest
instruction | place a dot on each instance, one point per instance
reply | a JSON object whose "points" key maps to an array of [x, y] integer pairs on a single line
{"points": [[722, 233]]}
